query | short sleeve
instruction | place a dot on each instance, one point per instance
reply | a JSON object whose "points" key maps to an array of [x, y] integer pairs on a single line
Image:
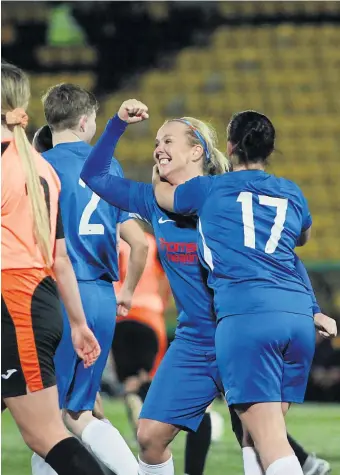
{"points": [[124, 216], [191, 196]]}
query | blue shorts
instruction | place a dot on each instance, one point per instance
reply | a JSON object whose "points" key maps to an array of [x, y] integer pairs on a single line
{"points": [[265, 358], [185, 384], [78, 386]]}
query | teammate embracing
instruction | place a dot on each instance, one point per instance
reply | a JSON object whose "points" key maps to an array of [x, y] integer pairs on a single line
{"points": [[185, 148], [91, 235]]}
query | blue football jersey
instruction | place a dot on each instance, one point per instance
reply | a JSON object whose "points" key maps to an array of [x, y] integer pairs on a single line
{"points": [[176, 238], [89, 222], [249, 224]]}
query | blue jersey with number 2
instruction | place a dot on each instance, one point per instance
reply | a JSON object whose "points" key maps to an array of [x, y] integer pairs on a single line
{"points": [[249, 224], [89, 222]]}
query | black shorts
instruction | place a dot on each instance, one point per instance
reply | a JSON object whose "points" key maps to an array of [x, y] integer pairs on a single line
{"points": [[135, 347], [31, 329]]}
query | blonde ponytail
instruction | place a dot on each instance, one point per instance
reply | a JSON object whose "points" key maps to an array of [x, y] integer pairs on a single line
{"points": [[41, 221], [218, 164]]}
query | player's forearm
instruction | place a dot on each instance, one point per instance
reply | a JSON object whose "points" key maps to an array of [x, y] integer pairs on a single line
{"points": [[136, 264], [300, 268], [99, 161], [68, 290], [96, 170]]}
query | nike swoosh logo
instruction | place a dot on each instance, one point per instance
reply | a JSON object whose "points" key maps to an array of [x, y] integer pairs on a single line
{"points": [[9, 373], [162, 221]]}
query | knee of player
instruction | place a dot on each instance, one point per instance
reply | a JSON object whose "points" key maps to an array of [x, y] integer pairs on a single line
{"points": [[154, 436], [145, 437], [41, 439]]}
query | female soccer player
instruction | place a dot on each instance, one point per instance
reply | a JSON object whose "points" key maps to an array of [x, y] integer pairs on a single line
{"points": [[249, 223], [179, 400], [184, 149], [33, 255]]}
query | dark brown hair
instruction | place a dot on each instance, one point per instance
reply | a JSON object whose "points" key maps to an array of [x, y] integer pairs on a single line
{"points": [[64, 104], [252, 136]]}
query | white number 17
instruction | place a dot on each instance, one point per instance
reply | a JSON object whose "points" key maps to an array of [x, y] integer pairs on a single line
{"points": [[281, 204]]}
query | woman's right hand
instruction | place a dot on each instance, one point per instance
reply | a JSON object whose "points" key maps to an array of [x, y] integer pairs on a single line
{"points": [[133, 111], [85, 344]]}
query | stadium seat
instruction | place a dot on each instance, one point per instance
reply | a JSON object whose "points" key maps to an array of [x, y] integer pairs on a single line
{"points": [[71, 57]]}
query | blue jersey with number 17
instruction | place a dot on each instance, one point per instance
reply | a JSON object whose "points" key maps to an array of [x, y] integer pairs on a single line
{"points": [[249, 225], [89, 222]]}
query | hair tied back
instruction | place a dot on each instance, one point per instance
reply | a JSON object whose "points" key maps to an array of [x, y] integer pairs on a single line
{"points": [[16, 117]]}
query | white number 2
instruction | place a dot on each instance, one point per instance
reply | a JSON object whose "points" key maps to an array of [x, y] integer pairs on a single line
{"points": [[85, 227], [281, 204]]}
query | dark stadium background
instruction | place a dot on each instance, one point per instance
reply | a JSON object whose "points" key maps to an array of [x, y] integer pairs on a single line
{"points": [[208, 59]]}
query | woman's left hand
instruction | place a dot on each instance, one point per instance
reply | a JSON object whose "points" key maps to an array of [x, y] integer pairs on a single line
{"points": [[326, 326], [155, 176]]}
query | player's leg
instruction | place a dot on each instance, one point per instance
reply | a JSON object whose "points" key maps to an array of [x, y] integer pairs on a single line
{"points": [[251, 461], [66, 361], [98, 410], [256, 377], [38, 418], [134, 350], [103, 439], [294, 386], [266, 425], [100, 307], [184, 386], [197, 447], [154, 437], [31, 328], [311, 465]]}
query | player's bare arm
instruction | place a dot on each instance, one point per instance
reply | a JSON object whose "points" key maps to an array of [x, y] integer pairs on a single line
{"points": [[132, 233]]}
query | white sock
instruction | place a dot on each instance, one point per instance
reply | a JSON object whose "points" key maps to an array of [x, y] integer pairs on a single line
{"points": [[251, 463], [40, 467], [286, 465], [109, 447], [106, 421], [166, 468]]}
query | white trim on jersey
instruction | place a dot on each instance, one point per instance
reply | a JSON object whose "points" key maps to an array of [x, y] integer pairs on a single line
{"points": [[206, 251], [138, 216]]}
